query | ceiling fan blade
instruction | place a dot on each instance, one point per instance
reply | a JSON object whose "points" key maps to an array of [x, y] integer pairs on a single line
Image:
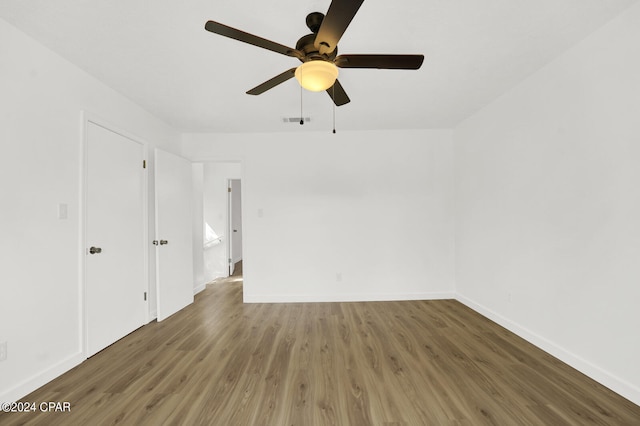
{"points": [[334, 24], [338, 94], [270, 84], [400, 62], [224, 30]]}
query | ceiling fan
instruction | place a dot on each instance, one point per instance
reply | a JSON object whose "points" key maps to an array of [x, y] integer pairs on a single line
{"points": [[318, 52]]}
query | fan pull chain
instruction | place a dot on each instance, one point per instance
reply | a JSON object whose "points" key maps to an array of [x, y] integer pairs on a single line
{"points": [[301, 115], [333, 89]]}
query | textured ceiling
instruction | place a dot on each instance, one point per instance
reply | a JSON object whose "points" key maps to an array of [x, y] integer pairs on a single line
{"points": [[158, 54]]}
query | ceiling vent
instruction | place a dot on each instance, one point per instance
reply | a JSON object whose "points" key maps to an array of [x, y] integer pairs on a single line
{"points": [[295, 119]]}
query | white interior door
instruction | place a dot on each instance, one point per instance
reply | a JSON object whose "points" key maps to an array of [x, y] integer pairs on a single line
{"points": [[174, 247], [115, 263], [235, 223], [236, 220]]}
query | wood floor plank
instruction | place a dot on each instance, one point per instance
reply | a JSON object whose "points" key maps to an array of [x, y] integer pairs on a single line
{"points": [[222, 362]]}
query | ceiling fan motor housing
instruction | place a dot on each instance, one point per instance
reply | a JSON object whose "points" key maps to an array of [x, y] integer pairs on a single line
{"points": [[306, 43]]}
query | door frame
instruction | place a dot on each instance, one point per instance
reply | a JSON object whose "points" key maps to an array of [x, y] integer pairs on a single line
{"points": [[86, 118]]}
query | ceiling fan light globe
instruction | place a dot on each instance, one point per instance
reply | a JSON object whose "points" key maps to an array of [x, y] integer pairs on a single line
{"points": [[317, 75]]}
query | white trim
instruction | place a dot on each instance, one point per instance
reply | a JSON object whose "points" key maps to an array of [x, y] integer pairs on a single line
{"points": [[82, 224], [88, 117], [199, 288], [228, 242], [364, 297], [591, 370], [35, 382]]}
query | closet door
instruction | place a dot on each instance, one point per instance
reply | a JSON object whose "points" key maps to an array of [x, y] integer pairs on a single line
{"points": [[115, 264]]}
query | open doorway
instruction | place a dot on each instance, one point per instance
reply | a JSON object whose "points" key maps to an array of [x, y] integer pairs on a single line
{"points": [[216, 220], [234, 226]]}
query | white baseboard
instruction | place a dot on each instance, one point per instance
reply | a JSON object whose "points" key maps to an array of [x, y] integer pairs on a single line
{"points": [[199, 288], [372, 297], [616, 384], [25, 388]]}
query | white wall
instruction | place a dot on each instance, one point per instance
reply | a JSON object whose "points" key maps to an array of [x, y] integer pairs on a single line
{"points": [[40, 132], [548, 207], [350, 216]]}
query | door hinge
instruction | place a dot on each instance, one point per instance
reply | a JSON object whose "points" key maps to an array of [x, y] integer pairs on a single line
{"points": [[229, 189], [145, 296], [229, 260], [144, 164]]}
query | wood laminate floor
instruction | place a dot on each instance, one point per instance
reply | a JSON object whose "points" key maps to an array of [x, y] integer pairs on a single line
{"points": [[221, 362]]}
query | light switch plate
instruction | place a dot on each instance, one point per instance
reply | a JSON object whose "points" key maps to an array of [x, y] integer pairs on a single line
{"points": [[63, 211]]}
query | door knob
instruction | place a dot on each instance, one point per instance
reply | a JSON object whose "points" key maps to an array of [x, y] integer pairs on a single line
{"points": [[95, 250], [163, 242]]}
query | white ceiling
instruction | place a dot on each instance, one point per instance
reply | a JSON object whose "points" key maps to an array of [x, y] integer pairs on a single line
{"points": [[158, 54]]}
